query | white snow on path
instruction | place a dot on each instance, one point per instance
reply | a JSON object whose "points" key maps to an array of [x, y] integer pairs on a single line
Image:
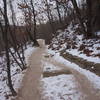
{"points": [[28, 53], [90, 81], [75, 52], [50, 67], [93, 78], [60, 87]]}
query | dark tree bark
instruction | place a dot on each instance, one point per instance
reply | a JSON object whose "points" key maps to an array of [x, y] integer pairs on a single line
{"points": [[14, 36], [50, 17], [28, 19], [95, 15], [57, 5], [89, 18], [6, 49], [79, 16], [35, 29], [12, 54], [14, 44]]}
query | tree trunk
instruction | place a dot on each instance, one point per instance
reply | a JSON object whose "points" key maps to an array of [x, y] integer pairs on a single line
{"points": [[89, 17], [49, 15], [35, 29], [95, 15], [57, 5], [79, 16], [6, 49]]}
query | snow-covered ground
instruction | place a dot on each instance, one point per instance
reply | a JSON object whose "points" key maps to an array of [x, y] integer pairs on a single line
{"points": [[65, 87], [50, 67], [28, 53], [75, 52], [91, 76], [17, 76], [73, 42], [60, 87], [16, 73]]}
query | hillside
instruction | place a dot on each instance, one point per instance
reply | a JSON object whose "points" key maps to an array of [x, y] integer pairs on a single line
{"points": [[73, 46]]}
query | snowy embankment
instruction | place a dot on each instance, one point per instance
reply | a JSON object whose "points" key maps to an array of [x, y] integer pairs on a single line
{"points": [[72, 42], [16, 73], [79, 84], [91, 76]]}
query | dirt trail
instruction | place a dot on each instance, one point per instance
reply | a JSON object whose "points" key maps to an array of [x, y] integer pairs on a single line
{"points": [[29, 89], [84, 84]]}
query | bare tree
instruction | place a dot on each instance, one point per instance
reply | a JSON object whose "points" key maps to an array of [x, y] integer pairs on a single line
{"points": [[34, 19], [58, 10], [93, 16], [89, 18], [13, 42], [50, 17], [5, 38], [79, 16], [14, 21], [27, 18], [30, 20]]}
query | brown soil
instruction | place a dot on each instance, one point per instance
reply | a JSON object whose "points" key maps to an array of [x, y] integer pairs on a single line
{"points": [[55, 73], [83, 63]]}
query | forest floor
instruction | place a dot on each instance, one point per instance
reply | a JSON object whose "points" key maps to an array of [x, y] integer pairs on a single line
{"points": [[47, 78]]}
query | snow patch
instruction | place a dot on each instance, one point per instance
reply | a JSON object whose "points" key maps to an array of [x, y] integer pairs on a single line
{"points": [[93, 78], [62, 87], [28, 53]]}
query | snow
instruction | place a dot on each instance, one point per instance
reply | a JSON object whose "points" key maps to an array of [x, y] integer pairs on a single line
{"points": [[75, 44], [50, 67], [61, 87], [98, 33], [40, 9], [16, 74], [75, 52], [28, 53], [94, 79]]}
